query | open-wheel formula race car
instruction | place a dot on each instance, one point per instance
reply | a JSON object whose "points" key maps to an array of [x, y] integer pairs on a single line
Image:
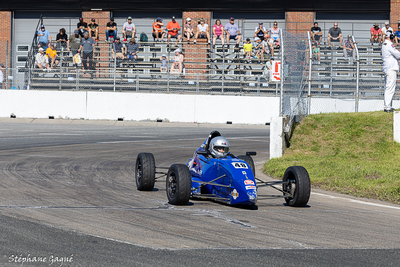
{"points": [[215, 173]]}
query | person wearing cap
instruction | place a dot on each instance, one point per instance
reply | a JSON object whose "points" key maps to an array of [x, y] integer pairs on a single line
{"points": [[348, 48], [274, 34], [260, 31], [385, 29], [44, 37], [390, 57], [1, 75], [177, 61], [316, 33], [93, 29], [164, 66], [87, 46], [173, 28], [268, 68], [218, 32], [73, 43], [376, 33], [257, 46], [132, 49], [82, 26], [128, 29], [51, 53], [232, 32], [41, 60], [248, 48], [158, 30], [202, 31], [188, 29], [118, 49], [111, 29], [335, 34]]}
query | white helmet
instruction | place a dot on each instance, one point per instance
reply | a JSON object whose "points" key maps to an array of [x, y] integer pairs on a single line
{"points": [[219, 147]]}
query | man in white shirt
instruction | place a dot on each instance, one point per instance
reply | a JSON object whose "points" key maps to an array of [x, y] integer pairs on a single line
{"points": [[385, 29], [41, 60], [390, 57], [128, 29]]}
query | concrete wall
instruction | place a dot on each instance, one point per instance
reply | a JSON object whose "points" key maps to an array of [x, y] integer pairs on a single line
{"points": [[327, 105], [138, 106]]}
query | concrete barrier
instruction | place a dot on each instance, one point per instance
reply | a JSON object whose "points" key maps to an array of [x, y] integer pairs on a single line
{"points": [[276, 137], [396, 126]]}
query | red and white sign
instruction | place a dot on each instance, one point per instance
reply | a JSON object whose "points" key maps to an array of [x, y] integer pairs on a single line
{"points": [[275, 74]]}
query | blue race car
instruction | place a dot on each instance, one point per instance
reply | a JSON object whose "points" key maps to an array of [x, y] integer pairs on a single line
{"points": [[215, 173]]}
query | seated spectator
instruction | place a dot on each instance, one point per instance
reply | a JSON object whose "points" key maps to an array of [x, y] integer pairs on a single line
{"points": [[51, 53], [348, 48], [385, 29], [218, 32], [118, 49], [397, 35], [260, 31], [164, 66], [335, 34], [41, 60], [258, 49], [267, 45], [158, 30], [132, 49], [274, 34], [73, 43], [128, 29], [93, 30], [62, 39], [111, 30], [316, 33], [177, 61], [188, 30], [82, 27], [248, 49], [173, 28], [268, 68], [202, 31], [44, 37], [316, 53], [376, 33], [232, 32]]}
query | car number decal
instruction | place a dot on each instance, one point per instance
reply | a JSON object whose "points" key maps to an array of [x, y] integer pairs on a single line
{"points": [[239, 165]]}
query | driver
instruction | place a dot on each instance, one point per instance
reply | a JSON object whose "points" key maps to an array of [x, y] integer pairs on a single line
{"points": [[219, 147]]}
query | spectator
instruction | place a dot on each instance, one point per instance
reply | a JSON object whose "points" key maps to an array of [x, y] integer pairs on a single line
{"points": [[118, 49], [258, 49], [93, 29], [128, 29], [218, 32], [111, 29], [385, 29], [268, 68], [397, 35], [132, 49], [248, 48], [316, 33], [348, 48], [267, 45], [232, 32], [316, 52], [82, 27], [274, 34], [188, 30], [376, 33], [51, 53], [335, 34], [62, 39], [164, 67], [41, 60], [158, 30], [260, 31], [202, 31], [74, 42], [173, 30], [87, 46], [44, 37], [177, 61], [1, 75]]}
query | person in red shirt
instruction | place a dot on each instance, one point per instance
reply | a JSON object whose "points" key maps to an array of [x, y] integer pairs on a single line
{"points": [[158, 30], [173, 30], [376, 34]]}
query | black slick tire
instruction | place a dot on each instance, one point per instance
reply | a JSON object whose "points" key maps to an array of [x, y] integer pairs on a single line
{"points": [[145, 172], [297, 183], [249, 161], [179, 183]]}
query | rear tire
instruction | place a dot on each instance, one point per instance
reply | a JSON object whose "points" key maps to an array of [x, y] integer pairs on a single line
{"points": [[179, 183], [145, 172], [298, 185], [249, 161]]}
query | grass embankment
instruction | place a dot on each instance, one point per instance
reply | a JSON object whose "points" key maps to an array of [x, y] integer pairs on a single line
{"points": [[351, 153]]}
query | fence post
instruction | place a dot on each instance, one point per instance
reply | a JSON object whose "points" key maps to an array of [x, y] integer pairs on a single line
{"points": [[281, 74], [309, 74], [168, 69], [115, 64], [223, 68], [197, 84], [61, 64], [137, 81], [6, 75], [77, 79], [330, 81], [357, 75], [258, 85]]}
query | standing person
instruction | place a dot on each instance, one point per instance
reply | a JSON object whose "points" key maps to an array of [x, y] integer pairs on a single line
{"points": [[1, 75], [173, 28], [232, 32], [44, 37], [218, 32], [87, 46], [390, 57], [73, 43]]}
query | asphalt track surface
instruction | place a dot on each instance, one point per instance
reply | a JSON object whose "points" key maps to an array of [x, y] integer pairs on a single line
{"points": [[68, 198]]}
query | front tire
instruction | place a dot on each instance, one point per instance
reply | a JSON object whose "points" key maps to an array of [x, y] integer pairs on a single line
{"points": [[145, 172], [249, 160], [298, 185], [179, 183]]}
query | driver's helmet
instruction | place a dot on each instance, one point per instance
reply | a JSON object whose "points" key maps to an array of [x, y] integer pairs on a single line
{"points": [[219, 147]]}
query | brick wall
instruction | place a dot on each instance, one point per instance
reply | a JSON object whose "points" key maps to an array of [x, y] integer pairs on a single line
{"points": [[299, 21], [394, 13], [5, 29]]}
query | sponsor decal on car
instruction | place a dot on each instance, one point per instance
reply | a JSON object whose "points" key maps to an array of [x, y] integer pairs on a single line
{"points": [[239, 165], [250, 187], [234, 194], [248, 182]]}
